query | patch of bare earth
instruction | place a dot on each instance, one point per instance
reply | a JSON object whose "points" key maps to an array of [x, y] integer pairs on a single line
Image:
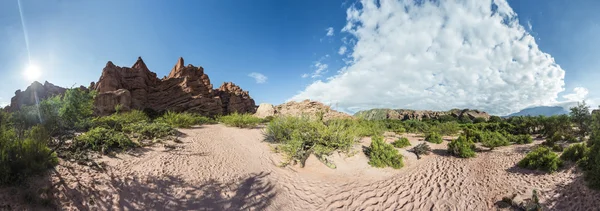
{"points": [[221, 168]]}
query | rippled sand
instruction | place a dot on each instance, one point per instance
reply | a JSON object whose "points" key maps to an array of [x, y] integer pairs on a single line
{"points": [[221, 168]]}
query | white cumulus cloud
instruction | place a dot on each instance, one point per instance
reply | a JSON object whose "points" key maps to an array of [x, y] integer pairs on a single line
{"points": [[342, 50], [439, 55], [329, 31], [258, 77], [579, 94]]}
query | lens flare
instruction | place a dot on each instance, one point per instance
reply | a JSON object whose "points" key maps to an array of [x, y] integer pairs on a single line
{"points": [[32, 72]]}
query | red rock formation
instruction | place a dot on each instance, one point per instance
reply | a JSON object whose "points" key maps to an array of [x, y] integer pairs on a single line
{"points": [[28, 97], [186, 88]]}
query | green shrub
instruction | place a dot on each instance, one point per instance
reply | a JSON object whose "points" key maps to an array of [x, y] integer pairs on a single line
{"points": [[446, 128], [421, 149], [474, 135], [240, 120], [574, 153], [145, 130], [462, 147], [494, 139], [21, 158], [382, 154], [118, 120], [541, 158], [183, 120], [104, 140], [434, 137], [301, 136], [521, 139], [401, 142]]}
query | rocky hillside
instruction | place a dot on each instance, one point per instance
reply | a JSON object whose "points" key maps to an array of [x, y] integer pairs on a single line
{"points": [[406, 114], [28, 97], [293, 108], [186, 88]]}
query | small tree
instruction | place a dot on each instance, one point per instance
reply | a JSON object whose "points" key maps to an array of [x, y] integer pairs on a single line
{"points": [[582, 117]]}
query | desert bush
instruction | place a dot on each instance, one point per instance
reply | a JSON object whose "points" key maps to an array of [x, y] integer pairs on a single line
{"points": [[541, 158], [118, 120], [382, 154], [146, 130], [574, 153], [462, 147], [21, 158], [104, 140], [183, 120], [473, 135], [494, 139], [300, 137], [240, 120], [479, 120], [421, 149], [446, 128], [401, 142], [415, 126], [591, 162], [434, 137], [521, 139]]}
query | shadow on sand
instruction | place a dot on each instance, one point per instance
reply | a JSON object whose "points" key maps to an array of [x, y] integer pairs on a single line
{"points": [[169, 192], [574, 195]]}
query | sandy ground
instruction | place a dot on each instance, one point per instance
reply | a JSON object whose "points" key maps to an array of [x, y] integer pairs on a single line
{"points": [[221, 168]]}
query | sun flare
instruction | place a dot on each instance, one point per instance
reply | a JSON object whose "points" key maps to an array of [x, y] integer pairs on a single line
{"points": [[32, 72]]}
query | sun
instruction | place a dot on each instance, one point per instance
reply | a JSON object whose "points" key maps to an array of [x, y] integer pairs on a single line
{"points": [[32, 72]]}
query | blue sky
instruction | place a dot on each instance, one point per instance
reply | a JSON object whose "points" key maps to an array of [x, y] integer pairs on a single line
{"points": [[72, 41]]}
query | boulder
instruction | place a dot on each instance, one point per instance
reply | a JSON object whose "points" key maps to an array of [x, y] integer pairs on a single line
{"points": [[186, 88], [36, 92], [265, 110], [310, 109]]}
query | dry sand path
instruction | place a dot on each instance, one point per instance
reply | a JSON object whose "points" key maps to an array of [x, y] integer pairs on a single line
{"points": [[221, 168]]}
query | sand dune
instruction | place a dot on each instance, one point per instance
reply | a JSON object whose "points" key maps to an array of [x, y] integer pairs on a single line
{"points": [[221, 168]]}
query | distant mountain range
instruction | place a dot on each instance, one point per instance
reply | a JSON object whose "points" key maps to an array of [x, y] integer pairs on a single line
{"points": [[541, 110]]}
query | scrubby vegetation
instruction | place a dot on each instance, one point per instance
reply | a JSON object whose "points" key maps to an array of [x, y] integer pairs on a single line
{"points": [[241, 120], [462, 147], [574, 152], [24, 157], [104, 140], [541, 158], [494, 139], [299, 137], [421, 149], [183, 120], [401, 142], [382, 154], [434, 137]]}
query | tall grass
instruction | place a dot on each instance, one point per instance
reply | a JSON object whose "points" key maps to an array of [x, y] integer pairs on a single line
{"points": [[241, 120], [183, 120]]}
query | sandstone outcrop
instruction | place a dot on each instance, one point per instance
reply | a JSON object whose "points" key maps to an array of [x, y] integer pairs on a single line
{"points": [[186, 88], [406, 114], [309, 108], [33, 91], [265, 110]]}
